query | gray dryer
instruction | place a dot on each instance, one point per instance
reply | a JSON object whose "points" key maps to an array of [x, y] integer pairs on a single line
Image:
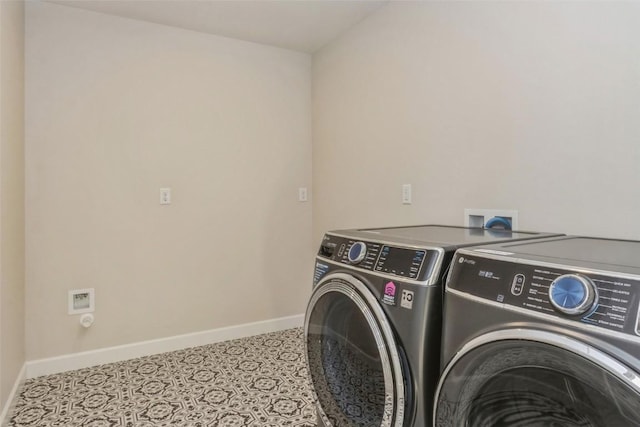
{"points": [[542, 333]]}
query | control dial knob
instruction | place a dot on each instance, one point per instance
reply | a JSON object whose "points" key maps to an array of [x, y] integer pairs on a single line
{"points": [[573, 294], [357, 252]]}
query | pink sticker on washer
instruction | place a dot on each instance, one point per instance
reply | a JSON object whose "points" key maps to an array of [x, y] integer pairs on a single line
{"points": [[389, 296]]}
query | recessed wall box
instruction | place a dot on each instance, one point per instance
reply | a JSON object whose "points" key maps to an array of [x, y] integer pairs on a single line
{"points": [[81, 301], [480, 217]]}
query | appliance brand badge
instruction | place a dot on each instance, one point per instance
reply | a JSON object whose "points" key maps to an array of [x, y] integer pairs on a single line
{"points": [[389, 296]]}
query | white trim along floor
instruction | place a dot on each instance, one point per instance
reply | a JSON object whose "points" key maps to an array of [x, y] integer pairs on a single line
{"points": [[256, 381], [101, 356]]}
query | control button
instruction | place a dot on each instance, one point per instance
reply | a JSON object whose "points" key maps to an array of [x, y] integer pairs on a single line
{"points": [[357, 252], [572, 294], [517, 285]]}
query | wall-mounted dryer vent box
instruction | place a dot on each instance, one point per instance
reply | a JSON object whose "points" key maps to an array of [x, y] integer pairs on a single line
{"points": [[480, 217], [82, 301]]}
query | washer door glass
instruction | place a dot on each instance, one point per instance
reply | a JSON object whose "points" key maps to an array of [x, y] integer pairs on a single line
{"points": [[352, 357], [519, 383]]}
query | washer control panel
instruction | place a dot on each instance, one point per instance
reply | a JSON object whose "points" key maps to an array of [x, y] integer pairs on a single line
{"points": [[408, 262], [587, 297]]}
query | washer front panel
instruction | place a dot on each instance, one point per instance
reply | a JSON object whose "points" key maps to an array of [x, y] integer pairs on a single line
{"points": [[533, 377], [352, 356], [525, 287]]}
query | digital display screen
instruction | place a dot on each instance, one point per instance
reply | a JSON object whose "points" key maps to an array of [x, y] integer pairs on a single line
{"points": [[400, 261]]}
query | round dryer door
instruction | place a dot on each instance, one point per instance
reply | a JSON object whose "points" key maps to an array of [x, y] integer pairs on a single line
{"points": [[352, 356], [528, 378]]}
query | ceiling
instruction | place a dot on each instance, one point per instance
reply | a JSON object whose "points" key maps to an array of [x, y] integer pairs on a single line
{"points": [[302, 25]]}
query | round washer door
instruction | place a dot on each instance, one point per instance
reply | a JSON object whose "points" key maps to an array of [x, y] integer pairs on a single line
{"points": [[527, 378], [352, 356]]}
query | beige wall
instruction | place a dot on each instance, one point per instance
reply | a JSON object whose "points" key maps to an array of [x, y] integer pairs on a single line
{"points": [[531, 106], [118, 108], [12, 347], [527, 106]]}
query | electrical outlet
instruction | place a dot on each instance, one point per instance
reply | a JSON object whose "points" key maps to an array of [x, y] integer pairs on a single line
{"points": [[406, 194], [165, 196], [302, 194]]}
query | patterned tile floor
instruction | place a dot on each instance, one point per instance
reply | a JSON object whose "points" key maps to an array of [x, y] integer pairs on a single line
{"points": [[256, 381]]}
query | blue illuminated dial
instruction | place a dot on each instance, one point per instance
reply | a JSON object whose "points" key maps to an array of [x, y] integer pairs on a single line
{"points": [[357, 251], [572, 294]]}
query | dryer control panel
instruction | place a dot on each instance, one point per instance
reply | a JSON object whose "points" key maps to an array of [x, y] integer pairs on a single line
{"points": [[413, 263], [587, 297]]}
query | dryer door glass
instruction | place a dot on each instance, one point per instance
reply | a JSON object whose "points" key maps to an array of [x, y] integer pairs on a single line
{"points": [[526, 384], [352, 360]]}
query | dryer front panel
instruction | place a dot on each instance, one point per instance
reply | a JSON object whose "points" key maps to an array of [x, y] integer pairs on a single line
{"points": [[526, 378], [353, 359]]}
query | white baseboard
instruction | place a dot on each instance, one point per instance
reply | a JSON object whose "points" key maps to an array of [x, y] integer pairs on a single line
{"points": [[9, 404], [70, 362]]}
